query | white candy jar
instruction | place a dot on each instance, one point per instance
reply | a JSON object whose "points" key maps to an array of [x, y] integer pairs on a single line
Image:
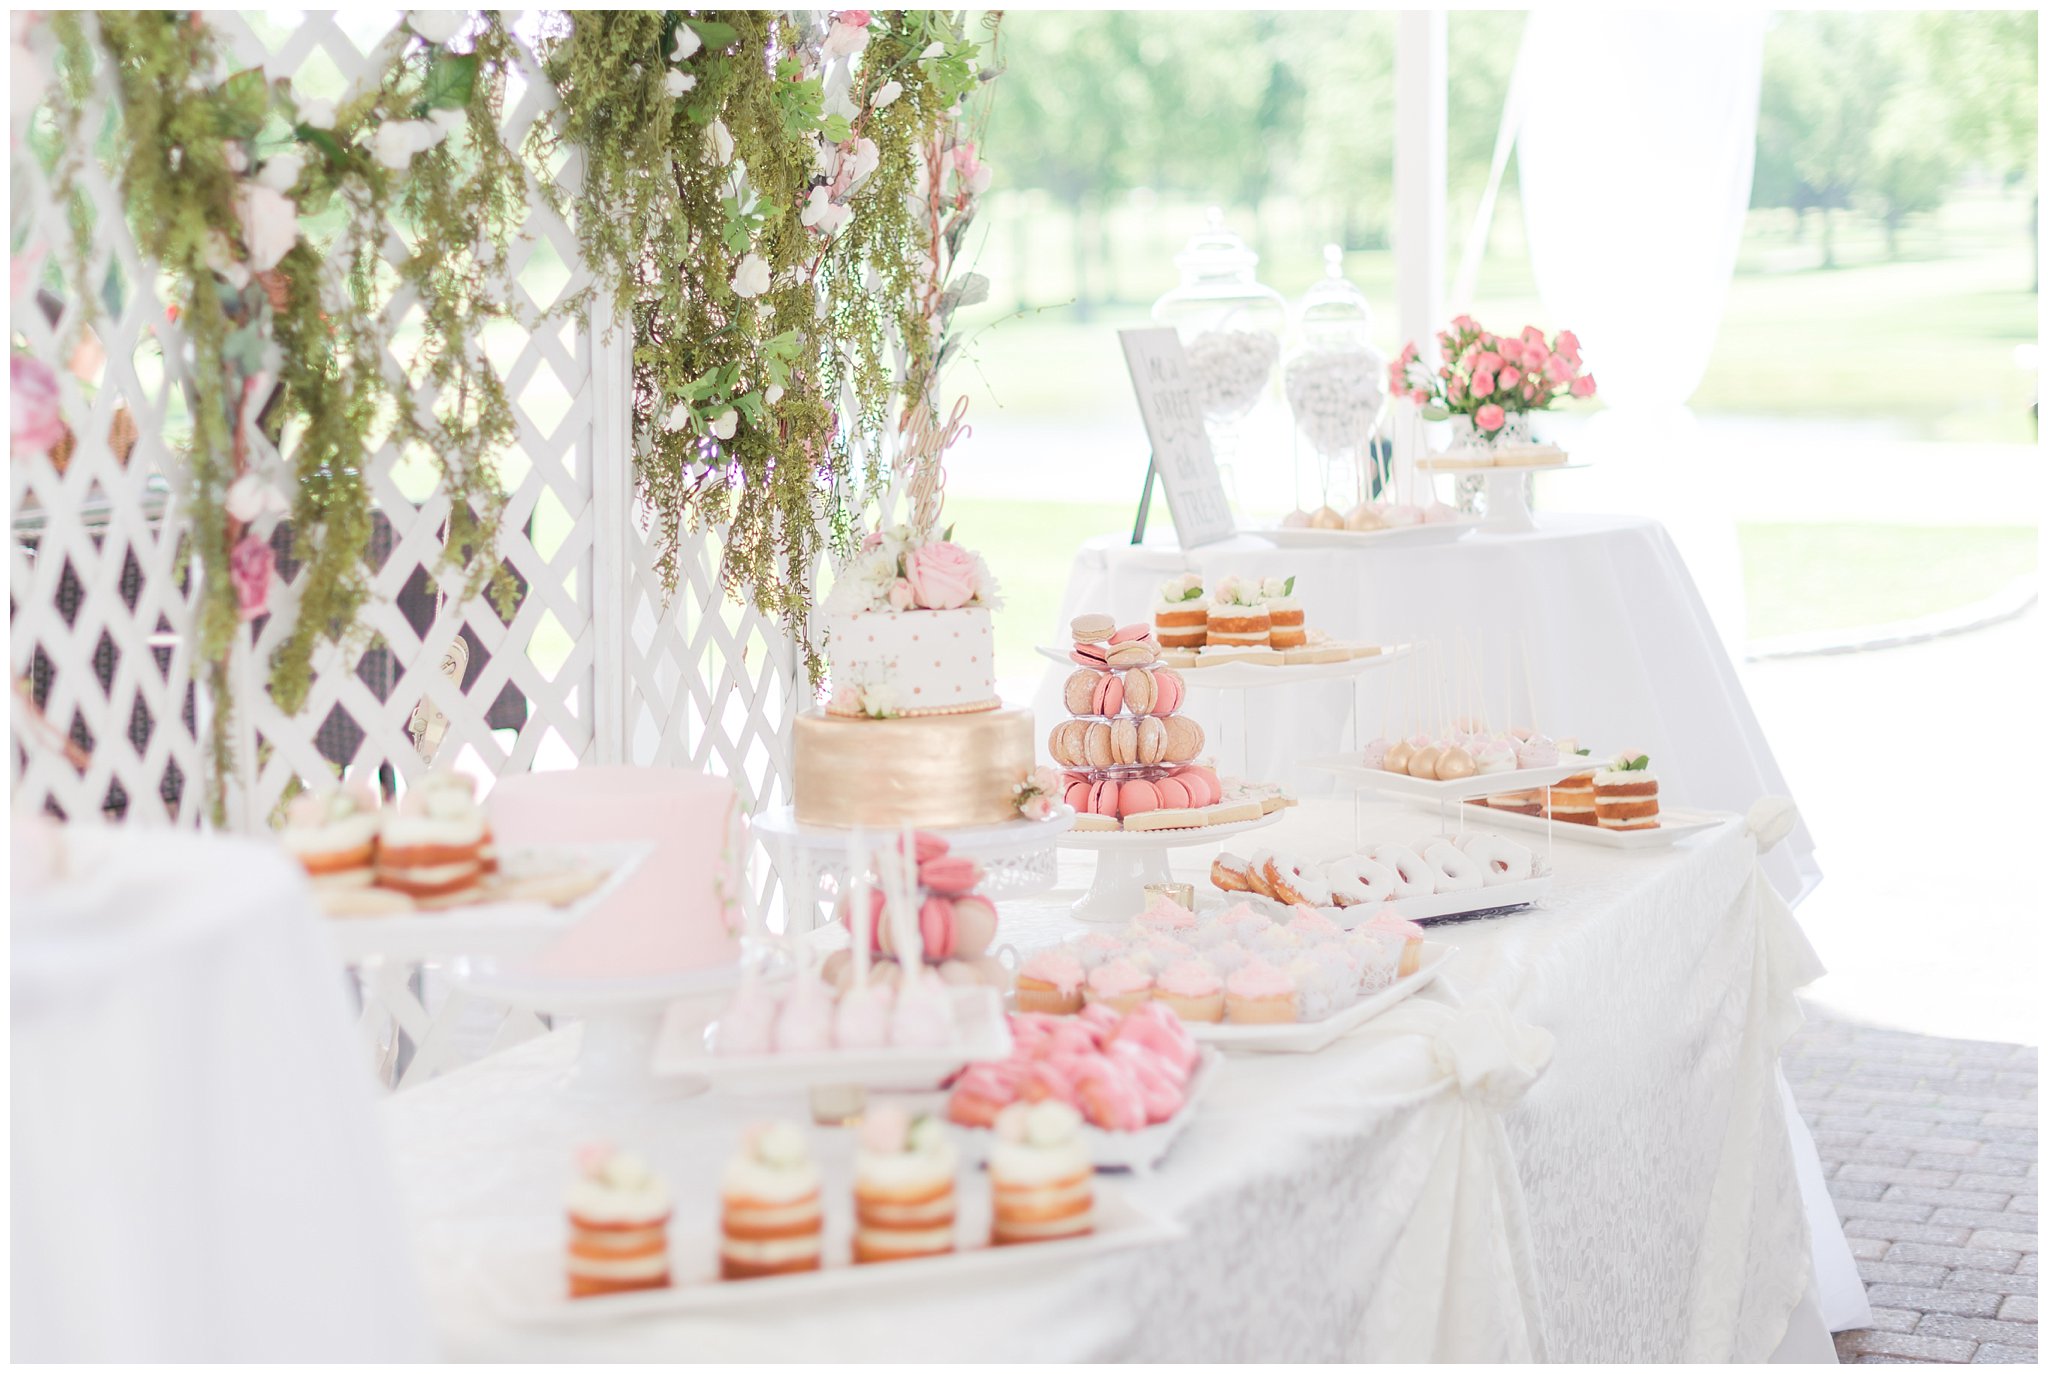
{"points": [[1336, 387], [1231, 325]]}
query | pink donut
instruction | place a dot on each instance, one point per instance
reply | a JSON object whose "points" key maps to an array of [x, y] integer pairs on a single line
{"points": [[1131, 632], [1108, 1096], [1049, 1079], [1171, 691], [1157, 1028], [1077, 795], [1174, 794], [935, 926], [949, 875], [1109, 695], [1139, 795], [1102, 798]]}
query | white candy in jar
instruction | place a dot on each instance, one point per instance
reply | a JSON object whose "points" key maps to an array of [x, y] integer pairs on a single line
{"points": [[1335, 393]]}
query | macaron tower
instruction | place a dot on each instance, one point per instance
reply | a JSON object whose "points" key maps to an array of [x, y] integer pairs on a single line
{"points": [[1128, 753]]}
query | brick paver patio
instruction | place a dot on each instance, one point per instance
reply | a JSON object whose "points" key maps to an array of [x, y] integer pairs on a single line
{"points": [[1931, 1152]]}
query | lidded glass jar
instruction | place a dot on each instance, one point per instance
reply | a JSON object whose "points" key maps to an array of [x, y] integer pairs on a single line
{"points": [[1229, 322], [1335, 379]]}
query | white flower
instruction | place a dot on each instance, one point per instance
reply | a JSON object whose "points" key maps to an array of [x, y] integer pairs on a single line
{"points": [[316, 114], [883, 98], [687, 43], [238, 161], [878, 699], [821, 214], [251, 497], [436, 26], [447, 121], [1274, 588], [220, 256], [752, 276], [270, 224], [721, 142], [677, 418], [726, 425], [839, 92], [866, 157], [677, 82], [774, 393], [932, 49], [397, 141], [281, 173], [846, 40], [978, 182]]}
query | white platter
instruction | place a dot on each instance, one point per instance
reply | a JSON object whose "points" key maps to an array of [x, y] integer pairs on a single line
{"points": [[1674, 824], [1238, 676], [974, 841], [1133, 1150], [1438, 906], [528, 1286], [679, 1051], [1350, 770], [1308, 1037], [1444, 533], [1137, 841], [489, 928]]}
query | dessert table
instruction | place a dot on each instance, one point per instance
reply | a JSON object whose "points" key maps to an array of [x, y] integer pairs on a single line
{"points": [[1573, 1148], [1619, 648]]}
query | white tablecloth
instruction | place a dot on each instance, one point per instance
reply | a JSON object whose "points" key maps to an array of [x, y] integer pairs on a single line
{"points": [[1619, 651], [1406, 1194], [197, 1171]]}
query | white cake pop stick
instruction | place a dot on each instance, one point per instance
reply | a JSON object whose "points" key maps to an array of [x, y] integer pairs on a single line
{"points": [[858, 859]]}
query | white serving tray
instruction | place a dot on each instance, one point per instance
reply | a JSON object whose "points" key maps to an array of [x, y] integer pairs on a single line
{"points": [[1438, 906], [1349, 770], [1003, 840], [1238, 676], [1674, 824], [1133, 1150], [1308, 1037], [1116, 841], [984, 1033], [529, 1286], [1444, 533], [486, 928]]}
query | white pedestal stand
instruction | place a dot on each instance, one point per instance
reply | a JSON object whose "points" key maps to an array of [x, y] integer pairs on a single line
{"points": [[1127, 860]]}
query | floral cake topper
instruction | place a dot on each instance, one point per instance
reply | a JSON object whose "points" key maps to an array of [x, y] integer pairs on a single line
{"points": [[898, 569]]}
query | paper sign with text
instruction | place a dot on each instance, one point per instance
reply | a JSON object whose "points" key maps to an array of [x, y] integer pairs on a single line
{"points": [[1169, 399]]}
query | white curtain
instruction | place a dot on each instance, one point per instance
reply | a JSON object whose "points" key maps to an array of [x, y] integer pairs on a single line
{"points": [[1637, 140]]}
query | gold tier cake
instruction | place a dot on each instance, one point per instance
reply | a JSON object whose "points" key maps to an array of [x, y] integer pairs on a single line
{"points": [[932, 771]]}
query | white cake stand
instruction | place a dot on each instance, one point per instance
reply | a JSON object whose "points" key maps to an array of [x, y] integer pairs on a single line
{"points": [[1127, 860], [1507, 494]]}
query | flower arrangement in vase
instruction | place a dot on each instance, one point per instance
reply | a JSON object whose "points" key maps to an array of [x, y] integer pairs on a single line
{"points": [[1489, 383]]}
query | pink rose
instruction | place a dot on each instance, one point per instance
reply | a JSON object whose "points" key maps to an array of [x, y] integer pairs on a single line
{"points": [[1482, 384], [1464, 324], [1489, 362], [1583, 386], [1558, 369], [942, 575], [1490, 418], [249, 569], [1443, 339], [1568, 344], [1509, 376], [872, 542], [901, 597], [1534, 357], [845, 700], [1469, 357], [1531, 334], [36, 424], [858, 18], [1444, 372], [1455, 392], [1529, 390], [1397, 381], [1039, 808]]}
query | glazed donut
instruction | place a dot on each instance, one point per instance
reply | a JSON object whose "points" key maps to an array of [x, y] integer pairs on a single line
{"points": [[1227, 872], [1123, 740], [1107, 698], [1413, 877], [1140, 691], [1359, 881], [1100, 754], [1079, 693], [1255, 873], [1456, 871], [1500, 859], [1296, 882], [1151, 740], [1184, 738]]}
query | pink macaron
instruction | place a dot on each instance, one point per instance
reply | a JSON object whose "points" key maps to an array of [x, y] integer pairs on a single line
{"points": [[1169, 691], [1090, 655], [1173, 794], [935, 928], [1204, 778], [928, 846], [1077, 794], [876, 907], [1102, 798], [1109, 695], [949, 875], [974, 926], [1139, 795], [1131, 632]]}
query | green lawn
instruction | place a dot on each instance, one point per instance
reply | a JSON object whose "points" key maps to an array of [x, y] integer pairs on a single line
{"points": [[1803, 578]]}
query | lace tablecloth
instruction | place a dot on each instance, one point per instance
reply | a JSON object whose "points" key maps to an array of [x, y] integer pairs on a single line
{"points": [[1574, 1151]]}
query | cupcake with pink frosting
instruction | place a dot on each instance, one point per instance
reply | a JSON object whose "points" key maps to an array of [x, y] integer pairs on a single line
{"points": [[1096, 947], [1050, 981], [1260, 994], [1163, 914], [1119, 985], [1192, 989], [1403, 938]]}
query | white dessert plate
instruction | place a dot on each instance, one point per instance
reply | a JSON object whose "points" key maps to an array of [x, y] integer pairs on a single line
{"points": [[1674, 823], [488, 928], [1438, 906], [1114, 840], [975, 841], [1234, 676], [528, 1286], [1358, 775], [983, 1033], [1445, 533], [1134, 1150], [1308, 1037]]}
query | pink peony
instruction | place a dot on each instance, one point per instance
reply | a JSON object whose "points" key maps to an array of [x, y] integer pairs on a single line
{"points": [[249, 568], [1482, 384], [36, 423], [1490, 418], [901, 598], [1509, 376], [1583, 386], [942, 575]]}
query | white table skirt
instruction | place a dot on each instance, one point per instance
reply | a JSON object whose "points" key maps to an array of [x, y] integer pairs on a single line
{"points": [[197, 1170], [1406, 1194], [1619, 648]]}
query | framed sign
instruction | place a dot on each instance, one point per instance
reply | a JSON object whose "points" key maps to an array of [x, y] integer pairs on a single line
{"points": [[1181, 457]]}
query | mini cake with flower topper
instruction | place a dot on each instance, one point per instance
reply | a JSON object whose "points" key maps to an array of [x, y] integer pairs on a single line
{"points": [[913, 732]]}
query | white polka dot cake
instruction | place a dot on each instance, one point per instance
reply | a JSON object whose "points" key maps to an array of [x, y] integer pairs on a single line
{"points": [[928, 663]]}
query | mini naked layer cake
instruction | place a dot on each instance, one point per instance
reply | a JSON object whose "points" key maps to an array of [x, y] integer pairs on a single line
{"points": [[1238, 616], [1288, 621], [1043, 1179], [1625, 796], [903, 1194], [1180, 620], [1572, 799], [618, 1225], [773, 1220]]}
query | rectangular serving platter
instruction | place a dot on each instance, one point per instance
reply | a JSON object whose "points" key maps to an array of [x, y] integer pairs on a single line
{"points": [[679, 1051], [1674, 824], [528, 1286], [1350, 770], [1309, 1037], [1438, 906]]}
